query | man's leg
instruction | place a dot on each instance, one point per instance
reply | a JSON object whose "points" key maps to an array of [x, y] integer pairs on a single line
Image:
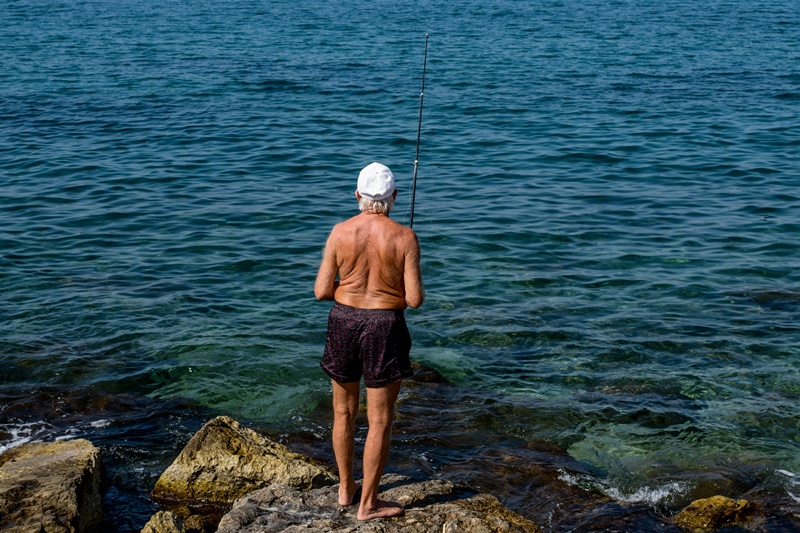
{"points": [[380, 412], [345, 409]]}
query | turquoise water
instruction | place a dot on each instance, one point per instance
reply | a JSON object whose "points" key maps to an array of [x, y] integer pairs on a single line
{"points": [[607, 206]]}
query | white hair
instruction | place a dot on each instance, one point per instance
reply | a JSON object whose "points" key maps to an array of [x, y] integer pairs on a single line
{"points": [[381, 207]]}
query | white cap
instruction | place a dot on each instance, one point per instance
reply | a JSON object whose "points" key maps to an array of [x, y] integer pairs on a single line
{"points": [[375, 182]]}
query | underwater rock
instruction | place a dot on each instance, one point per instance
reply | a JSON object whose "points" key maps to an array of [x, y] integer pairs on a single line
{"points": [[434, 505], [426, 375], [713, 513], [224, 461], [51, 486], [533, 480]]}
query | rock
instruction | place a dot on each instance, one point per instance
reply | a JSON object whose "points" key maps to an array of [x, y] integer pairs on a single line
{"points": [[164, 522], [198, 524], [434, 505], [713, 513], [533, 480], [51, 486], [181, 520], [425, 374], [224, 461]]}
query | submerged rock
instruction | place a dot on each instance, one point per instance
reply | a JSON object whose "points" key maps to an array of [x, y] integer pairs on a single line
{"points": [[434, 505], [713, 513], [224, 461], [51, 486]]}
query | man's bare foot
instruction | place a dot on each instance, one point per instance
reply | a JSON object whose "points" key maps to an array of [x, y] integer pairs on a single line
{"points": [[382, 509], [348, 497]]}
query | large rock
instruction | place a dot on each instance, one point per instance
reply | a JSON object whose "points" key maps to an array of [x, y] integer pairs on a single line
{"points": [[224, 461], [434, 505], [164, 522], [713, 513], [51, 486]]}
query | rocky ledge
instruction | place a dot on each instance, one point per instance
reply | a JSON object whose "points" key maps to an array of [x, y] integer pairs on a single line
{"points": [[434, 505], [274, 489]]}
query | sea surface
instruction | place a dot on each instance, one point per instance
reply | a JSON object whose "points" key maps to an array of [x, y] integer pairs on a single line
{"points": [[608, 204]]}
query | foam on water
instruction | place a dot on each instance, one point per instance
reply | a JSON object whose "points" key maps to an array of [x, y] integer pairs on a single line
{"points": [[792, 481], [654, 496], [21, 433]]}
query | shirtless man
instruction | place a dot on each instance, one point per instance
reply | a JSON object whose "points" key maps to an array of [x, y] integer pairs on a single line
{"points": [[377, 261]]}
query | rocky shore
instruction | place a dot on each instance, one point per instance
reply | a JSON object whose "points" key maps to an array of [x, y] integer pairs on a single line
{"points": [[229, 478]]}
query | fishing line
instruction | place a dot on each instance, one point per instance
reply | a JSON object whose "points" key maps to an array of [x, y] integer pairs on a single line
{"points": [[419, 132]]}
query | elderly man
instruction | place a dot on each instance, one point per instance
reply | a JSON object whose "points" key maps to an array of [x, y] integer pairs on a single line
{"points": [[377, 262]]}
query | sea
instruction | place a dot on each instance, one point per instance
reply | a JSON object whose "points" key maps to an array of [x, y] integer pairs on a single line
{"points": [[607, 202]]}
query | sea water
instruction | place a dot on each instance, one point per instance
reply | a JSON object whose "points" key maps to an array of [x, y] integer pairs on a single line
{"points": [[607, 205]]}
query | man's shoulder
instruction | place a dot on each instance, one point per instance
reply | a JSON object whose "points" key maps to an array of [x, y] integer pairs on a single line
{"points": [[405, 237], [406, 231], [409, 234]]}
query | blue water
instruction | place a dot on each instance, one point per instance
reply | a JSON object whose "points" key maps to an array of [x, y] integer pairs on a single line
{"points": [[607, 206]]}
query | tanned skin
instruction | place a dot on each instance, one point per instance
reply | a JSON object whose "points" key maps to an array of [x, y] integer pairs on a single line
{"points": [[377, 261]]}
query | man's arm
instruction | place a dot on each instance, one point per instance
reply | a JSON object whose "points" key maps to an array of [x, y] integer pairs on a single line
{"points": [[412, 275], [325, 286]]}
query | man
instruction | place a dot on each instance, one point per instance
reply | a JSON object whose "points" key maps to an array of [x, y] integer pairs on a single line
{"points": [[377, 261]]}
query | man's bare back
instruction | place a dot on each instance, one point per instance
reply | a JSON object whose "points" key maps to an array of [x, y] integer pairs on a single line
{"points": [[377, 261]]}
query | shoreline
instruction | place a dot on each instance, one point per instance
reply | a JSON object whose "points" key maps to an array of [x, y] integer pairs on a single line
{"points": [[536, 479], [231, 479]]}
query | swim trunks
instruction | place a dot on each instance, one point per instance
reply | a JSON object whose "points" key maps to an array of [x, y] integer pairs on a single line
{"points": [[374, 343]]}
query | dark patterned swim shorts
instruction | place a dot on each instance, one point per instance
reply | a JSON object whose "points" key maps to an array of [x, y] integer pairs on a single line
{"points": [[374, 343]]}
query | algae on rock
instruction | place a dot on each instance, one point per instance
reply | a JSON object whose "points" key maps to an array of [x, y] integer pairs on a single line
{"points": [[709, 514]]}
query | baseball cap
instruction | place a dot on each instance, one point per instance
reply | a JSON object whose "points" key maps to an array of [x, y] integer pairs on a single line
{"points": [[376, 182]]}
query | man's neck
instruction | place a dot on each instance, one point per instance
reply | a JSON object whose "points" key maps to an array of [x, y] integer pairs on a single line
{"points": [[370, 212]]}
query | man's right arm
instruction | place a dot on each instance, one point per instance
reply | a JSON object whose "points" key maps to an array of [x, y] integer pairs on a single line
{"points": [[325, 286], [412, 274]]}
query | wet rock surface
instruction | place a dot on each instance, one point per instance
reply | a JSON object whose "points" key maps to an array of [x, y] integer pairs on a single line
{"points": [[224, 461], [711, 514], [164, 522], [181, 521], [51, 486], [434, 505]]}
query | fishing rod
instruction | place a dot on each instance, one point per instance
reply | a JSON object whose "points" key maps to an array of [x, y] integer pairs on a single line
{"points": [[419, 132]]}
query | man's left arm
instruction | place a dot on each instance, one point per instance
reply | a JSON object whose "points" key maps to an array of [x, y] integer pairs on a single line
{"points": [[412, 274]]}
